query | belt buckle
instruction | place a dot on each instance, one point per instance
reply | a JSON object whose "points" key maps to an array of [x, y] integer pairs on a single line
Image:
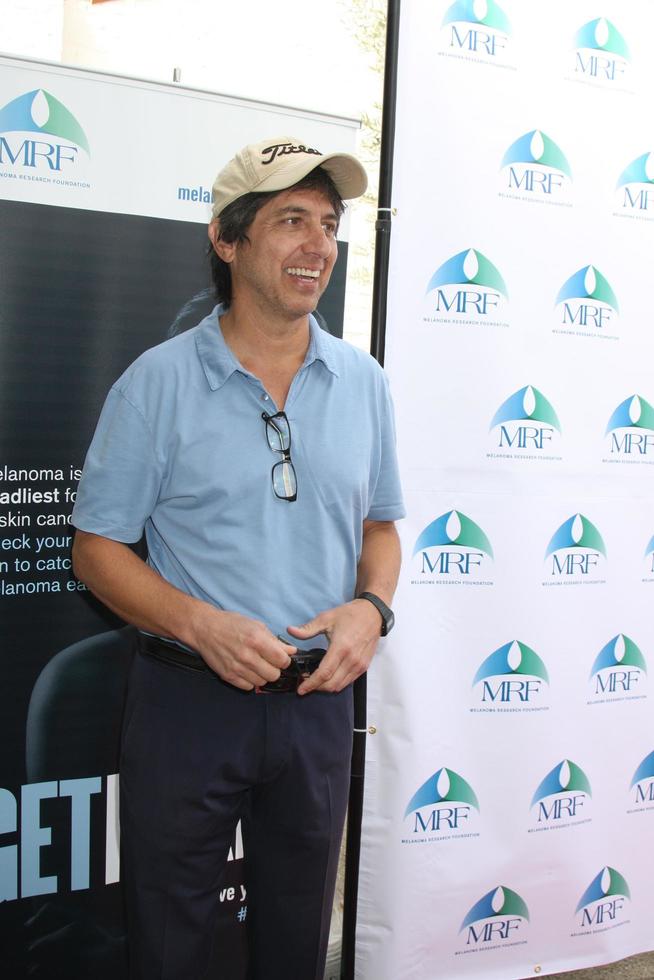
{"points": [[302, 665]]}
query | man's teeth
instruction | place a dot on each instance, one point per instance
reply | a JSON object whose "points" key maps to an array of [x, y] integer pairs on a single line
{"points": [[310, 273]]}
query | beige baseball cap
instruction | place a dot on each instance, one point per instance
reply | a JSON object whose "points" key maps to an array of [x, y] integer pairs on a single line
{"points": [[277, 163]]}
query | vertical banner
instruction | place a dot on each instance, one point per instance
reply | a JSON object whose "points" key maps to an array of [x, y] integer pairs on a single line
{"points": [[104, 201], [510, 783]]}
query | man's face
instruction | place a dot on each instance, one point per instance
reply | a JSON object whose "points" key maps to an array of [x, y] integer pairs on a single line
{"points": [[287, 262]]}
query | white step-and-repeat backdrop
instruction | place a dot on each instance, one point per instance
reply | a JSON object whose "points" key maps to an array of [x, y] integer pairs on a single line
{"points": [[510, 783]]}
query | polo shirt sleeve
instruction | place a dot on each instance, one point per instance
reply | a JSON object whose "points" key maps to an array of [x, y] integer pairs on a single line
{"points": [[122, 475], [386, 493]]}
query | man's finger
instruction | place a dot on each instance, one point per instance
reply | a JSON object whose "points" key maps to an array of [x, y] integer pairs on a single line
{"points": [[334, 676], [313, 628], [281, 657], [323, 675], [248, 678]]}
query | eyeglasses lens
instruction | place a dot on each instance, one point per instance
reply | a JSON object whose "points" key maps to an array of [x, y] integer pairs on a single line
{"points": [[284, 481], [279, 433]]}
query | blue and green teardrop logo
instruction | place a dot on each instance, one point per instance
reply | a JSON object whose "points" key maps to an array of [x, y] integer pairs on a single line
{"points": [[445, 786], [588, 283], [40, 112], [633, 413], [486, 12], [513, 658], [644, 771], [470, 267], [607, 883], [527, 404], [500, 902], [565, 777], [602, 35], [576, 532], [621, 651], [453, 528], [639, 171], [536, 147]]}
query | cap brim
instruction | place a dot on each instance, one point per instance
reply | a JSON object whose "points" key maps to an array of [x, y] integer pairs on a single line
{"points": [[349, 176]]}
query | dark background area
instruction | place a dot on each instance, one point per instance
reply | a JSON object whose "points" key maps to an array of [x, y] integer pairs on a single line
{"points": [[82, 293]]}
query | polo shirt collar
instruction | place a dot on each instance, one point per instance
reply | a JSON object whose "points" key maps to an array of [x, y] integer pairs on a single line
{"points": [[219, 363], [216, 358], [320, 347]]}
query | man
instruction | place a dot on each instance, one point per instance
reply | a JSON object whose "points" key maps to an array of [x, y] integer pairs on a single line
{"points": [[257, 453]]}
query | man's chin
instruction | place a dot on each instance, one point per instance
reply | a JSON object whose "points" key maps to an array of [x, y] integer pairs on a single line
{"points": [[299, 310]]}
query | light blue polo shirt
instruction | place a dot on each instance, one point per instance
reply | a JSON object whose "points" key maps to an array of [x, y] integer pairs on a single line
{"points": [[180, 451]]}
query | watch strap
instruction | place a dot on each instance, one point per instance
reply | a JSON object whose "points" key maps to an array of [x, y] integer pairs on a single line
{"points": [[386, 613]]}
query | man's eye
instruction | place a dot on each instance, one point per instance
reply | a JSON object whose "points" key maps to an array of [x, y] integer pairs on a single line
{"points": [[330, 230]]}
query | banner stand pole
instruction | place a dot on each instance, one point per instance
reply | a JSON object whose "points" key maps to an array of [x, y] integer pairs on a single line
{"points": [[384, 203], [377, 344]]}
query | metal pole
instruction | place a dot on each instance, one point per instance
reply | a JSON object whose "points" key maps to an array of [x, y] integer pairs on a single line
{"points": [[377, 342], [384, 205]]}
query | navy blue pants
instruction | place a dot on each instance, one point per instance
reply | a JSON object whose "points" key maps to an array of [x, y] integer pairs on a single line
{"points": [[198, 755]]}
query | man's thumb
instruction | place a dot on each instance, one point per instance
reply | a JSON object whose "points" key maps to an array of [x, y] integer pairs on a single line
{"points": [[312, 628]]}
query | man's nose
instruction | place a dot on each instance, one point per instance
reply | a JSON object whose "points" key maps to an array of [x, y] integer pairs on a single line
{"points": [[318, 242]]}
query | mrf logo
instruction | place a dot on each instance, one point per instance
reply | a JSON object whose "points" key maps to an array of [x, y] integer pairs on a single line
{"points": [[601, 53], [634, 191], [586, 302], [649, 558], [512, 674], [476, 28], [618, 670], [452, 547], [602, 904], [442, 805], [38, 132], [631, 429], [496, 918], [535, 167], [562, 795], [525, 422], [642, 784], [576, 550], [465, 288]]}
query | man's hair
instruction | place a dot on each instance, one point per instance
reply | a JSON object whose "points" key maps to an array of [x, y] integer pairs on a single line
{"points": [[236, 218]]}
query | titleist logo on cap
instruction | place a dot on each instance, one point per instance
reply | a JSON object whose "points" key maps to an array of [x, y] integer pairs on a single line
{"points": [[282, 149]]}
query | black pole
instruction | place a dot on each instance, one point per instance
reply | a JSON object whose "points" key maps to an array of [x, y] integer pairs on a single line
{"points": [[384, 205], [377, 343]]}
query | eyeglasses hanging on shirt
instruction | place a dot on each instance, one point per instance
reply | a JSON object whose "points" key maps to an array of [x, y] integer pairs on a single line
{"points": [[278, 434]]}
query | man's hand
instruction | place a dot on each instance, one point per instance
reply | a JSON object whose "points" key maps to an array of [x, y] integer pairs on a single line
{"points": [[242, 651], [353, 631], [354, 628]]}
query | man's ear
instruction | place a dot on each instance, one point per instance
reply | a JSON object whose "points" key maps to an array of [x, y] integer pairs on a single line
{"points": [[224, 250]]}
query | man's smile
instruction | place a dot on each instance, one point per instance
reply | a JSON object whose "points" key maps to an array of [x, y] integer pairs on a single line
{"points": [[303, 273]]}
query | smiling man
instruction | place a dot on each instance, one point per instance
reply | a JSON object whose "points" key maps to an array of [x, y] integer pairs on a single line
{"points": [[257, 454]]}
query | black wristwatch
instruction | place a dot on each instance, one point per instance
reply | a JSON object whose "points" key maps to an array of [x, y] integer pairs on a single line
{"points": [[387, 615]]}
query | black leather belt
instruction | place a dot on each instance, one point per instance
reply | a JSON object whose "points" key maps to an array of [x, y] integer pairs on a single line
{"points": [[302, 665], [170, 653]]}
